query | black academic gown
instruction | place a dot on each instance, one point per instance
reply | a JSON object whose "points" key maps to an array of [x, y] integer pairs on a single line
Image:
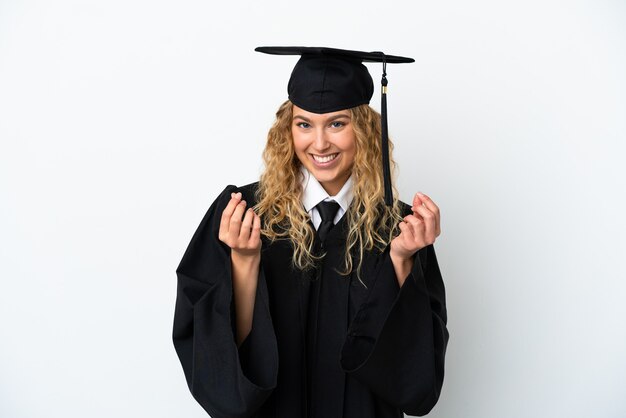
{"points": [[321, 345]]}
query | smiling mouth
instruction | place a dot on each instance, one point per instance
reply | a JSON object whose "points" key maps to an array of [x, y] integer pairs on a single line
{"points": [[324, 158]]}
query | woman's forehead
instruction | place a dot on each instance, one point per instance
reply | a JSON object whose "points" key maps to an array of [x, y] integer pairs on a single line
{"points": [[303, 114]]}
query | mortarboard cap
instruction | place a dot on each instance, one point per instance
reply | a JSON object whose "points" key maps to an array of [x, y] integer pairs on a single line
{"points": [[330, 79]]}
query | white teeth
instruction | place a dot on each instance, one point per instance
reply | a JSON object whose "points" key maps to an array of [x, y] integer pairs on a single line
{"points": [[324, 159]]}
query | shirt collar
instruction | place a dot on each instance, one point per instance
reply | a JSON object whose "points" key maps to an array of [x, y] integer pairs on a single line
{"points": [[313, 192]]}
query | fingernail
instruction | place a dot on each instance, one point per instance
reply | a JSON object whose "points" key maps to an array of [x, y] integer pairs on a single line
{"points": [[232, 195], [421, 194], [238, 194]]}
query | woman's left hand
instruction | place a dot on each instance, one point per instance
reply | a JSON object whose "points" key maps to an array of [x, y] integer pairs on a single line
{"points": [[417, 230]]}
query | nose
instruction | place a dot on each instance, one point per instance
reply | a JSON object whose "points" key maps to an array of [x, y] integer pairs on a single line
{"points": [[321, 140]]}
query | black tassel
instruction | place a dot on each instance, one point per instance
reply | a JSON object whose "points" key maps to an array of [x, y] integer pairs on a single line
{"points": [[385, 138]]}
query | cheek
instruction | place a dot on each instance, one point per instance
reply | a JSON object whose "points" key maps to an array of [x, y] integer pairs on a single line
{"points": [[350, 148], [297, 141], [299, 146], [350, 157]]}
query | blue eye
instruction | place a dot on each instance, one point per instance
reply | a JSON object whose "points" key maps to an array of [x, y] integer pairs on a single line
{"points": [[337, 124], [303, 125]]}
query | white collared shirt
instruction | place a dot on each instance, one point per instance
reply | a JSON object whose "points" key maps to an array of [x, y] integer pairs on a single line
{"points": [[313, 193]]}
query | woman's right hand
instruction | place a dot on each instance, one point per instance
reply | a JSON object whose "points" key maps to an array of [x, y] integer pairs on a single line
{"points": [[241, 233]]}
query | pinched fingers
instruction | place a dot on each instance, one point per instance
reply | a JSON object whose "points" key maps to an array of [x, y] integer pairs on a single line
{"points": [[234, 225], [240, 229], [248, 241], [428, 202], [428, 224], [227, 213], [417, 202], [423, 201], [231, 220]]}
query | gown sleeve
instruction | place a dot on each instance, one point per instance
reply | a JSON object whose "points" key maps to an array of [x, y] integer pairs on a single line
{"points": [[227, 381], [397, 340]]}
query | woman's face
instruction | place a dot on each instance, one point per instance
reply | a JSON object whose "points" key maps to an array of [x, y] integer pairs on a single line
{"points": [[325, 144]]}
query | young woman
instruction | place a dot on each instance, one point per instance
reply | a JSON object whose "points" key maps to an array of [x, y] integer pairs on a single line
{"points": [[304, 294]]}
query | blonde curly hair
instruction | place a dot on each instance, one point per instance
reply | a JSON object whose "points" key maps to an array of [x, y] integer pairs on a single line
{"points": [[371, 224]]}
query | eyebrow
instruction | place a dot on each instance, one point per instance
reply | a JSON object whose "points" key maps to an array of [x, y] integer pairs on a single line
{"points": [[329, 120]]}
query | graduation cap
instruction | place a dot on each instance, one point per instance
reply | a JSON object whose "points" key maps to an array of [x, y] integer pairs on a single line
{"points": [[330, 79]]}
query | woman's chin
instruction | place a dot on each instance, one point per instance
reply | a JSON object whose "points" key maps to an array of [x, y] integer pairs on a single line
{"points": [[323, 176]]}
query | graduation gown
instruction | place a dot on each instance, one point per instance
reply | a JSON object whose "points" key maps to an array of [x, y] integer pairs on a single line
{"points": [[321, 344]]}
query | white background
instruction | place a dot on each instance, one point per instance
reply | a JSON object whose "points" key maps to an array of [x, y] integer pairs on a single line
{"points": [[121, 121]]}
